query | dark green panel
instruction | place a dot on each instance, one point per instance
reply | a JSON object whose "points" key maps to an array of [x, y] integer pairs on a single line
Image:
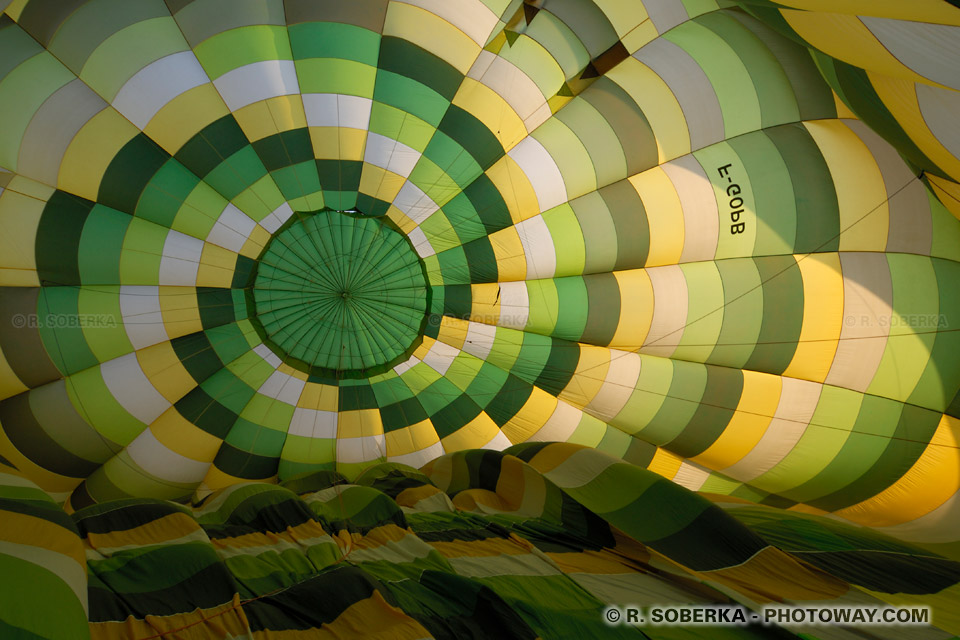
{"points": [[129, 172], [57, 245]]}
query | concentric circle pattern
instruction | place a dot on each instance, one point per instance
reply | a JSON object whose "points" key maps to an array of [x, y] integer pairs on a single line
{"points": [[340, 295]]}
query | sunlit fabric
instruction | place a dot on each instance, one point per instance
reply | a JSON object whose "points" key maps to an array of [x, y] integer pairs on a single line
{"points": [[476, 316]]}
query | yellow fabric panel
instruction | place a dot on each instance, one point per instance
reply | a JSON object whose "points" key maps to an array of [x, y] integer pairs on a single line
{"points": [[293, 373], [224, 621], [774, 576], [184, 117], [485, 302], [513, 185], [487, 106], [947, 192], [20, 528], [380, 183], [624, 15], [19, 219], [165, 529], [254, 245], [322, 397], [91, 151], [636, 309], [453, 331], [338, 143], [431, 32], [271, 116], [216, 266], [665, 463], [659, 105], [371, 619], [666, 228], [180, 311], [846, 38], [900, 98], [758, 403], [472, 435], [401, 220], [861, 193], [644, 33], [10, 384], [509, 254], [183, 437], [822, 316], [165, 371], [309, 530], [360, 423], [415, 437], [937, 471], [587, 380], [522, 487], [531, 417], [486, 548], [410, 497], [843, 111], [919, 10], [589, 561], [217, 479]]}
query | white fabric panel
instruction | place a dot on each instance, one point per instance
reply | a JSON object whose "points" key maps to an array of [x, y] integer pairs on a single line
{"points": [[419, 458], [618, 385], [269, 356], [151, 88], [798, 401], [472, 17], [932, 50], [156, 459], [257, 81], [560, 425], [361, 449], [420, 243], [499, 442], [390, 154], [670, 307], [181, 259], [480, 338], [665, 14], [414, 202], [701, 220], [441, 356], [538, 247], [514, 305], [336, 110], [282, 387], [276, 218], [405, 366], [311, 423], [232, 229], [142, 319], [940, 108], [129, 385], [691, 476], [542, 172], [867, 314]]}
